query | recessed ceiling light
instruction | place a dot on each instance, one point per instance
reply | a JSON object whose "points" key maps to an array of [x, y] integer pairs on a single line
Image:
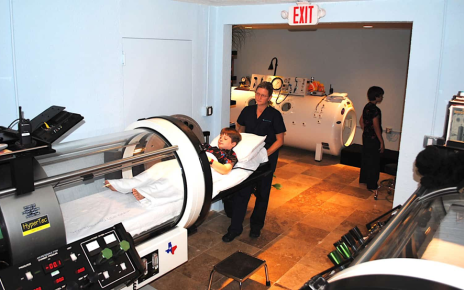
{"points": [[248, 27], [368, 26]]}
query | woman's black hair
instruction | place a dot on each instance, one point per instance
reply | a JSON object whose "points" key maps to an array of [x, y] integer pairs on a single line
{"points": [[374, 92], [440, 167], [268, 86]]}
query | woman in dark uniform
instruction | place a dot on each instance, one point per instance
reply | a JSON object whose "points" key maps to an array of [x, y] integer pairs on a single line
{"points": [[263, 120], [373, 145]]}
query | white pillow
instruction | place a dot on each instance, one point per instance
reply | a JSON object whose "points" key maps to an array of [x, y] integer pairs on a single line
{"points": [[247, 148]]}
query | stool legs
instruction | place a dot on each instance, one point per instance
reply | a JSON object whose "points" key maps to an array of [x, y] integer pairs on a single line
{"points": [[268, 283], [210, 279]]}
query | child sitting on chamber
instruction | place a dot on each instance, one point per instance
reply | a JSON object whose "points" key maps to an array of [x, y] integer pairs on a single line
{"points": [[223, 162]]}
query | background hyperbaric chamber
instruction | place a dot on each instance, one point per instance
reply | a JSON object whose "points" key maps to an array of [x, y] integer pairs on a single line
{"points": [[310, 120]]}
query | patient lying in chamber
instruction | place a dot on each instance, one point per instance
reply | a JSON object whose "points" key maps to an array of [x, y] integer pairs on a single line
{"points": [[159, 183]]}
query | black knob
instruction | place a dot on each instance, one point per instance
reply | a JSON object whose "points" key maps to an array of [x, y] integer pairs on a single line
{"points": [[72, 286], [91, 278]]}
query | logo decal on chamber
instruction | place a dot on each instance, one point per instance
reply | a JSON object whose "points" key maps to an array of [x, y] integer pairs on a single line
{"points": [[171, 248]]}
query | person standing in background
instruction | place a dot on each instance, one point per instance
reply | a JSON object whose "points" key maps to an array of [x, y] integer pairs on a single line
{"points": [[373, 144]]}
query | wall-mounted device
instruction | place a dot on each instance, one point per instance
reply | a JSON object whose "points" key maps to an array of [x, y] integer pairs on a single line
{"points": [[454, 128]]}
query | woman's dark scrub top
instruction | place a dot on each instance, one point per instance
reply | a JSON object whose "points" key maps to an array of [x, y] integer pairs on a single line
{"points": [[269, 124]]}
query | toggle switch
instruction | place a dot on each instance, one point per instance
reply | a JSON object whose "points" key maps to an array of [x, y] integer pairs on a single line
{"points": [[123, 266], [106, 275], [104, 256], [73, 257], [29, 276]]}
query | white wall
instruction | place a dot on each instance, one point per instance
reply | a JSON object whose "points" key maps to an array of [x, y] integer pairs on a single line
{"points": [[8, 106], [451, 78], [69, 53], [351, 60], [424, 63]]}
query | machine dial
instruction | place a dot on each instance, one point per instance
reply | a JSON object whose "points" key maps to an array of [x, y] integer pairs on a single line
{"points": [[277, 84]]}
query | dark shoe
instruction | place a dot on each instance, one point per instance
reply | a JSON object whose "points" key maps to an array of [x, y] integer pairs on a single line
{"points": [[255, 233], [229, 237]]}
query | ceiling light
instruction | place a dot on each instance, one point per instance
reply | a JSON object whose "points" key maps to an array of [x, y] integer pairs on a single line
{"points": [[248, 27], [368, 26]]}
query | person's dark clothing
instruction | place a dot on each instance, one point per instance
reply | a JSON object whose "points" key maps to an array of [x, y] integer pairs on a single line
{"points": [[370, 165], [371, 111], [223, 156], [269, 123]]}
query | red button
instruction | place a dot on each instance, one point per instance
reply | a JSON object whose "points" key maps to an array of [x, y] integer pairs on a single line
{"points": [[59, 280], [80, 270]]}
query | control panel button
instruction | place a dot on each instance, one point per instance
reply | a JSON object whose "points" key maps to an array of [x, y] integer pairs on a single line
{"points": [[73, 257], [29, 276], [106, 275], [93, 248], [123, 266]]}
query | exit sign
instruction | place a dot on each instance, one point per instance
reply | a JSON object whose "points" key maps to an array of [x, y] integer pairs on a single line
{"points": [[305, 14]]}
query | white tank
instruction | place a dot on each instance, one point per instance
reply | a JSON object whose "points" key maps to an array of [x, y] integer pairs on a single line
{"points": [[310, 120]]}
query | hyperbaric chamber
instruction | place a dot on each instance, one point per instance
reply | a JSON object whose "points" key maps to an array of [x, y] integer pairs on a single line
{"points": [[310, 120], [70, 193]]}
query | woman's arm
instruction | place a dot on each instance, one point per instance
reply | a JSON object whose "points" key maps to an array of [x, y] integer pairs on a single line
{"points": [[221, 168], [240, 128], [361, 122], [378, 133], [277, 144]]}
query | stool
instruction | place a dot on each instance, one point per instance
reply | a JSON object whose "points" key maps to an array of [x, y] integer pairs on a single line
{"points": [[239, 266], [389, 183]]}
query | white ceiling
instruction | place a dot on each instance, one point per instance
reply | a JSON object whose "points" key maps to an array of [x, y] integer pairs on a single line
{"points": [[251, 2]]}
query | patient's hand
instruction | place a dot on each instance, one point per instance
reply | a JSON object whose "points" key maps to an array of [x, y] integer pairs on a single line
{"points": [[108, 185], [137, 195]]}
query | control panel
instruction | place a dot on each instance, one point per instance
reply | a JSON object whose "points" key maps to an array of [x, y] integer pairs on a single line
{"points": [[105, 260]]}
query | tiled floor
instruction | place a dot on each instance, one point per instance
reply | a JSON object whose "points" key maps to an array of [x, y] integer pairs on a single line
{"points": [[318, 203]]}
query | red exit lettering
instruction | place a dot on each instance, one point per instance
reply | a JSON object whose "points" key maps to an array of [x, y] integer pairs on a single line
{"points": [[303, 14]]}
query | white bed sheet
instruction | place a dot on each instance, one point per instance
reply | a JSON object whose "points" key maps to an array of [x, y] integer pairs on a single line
{"points": [[96, 212]]}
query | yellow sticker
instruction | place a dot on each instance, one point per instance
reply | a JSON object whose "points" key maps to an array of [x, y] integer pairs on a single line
{"points": [[35, 225]]}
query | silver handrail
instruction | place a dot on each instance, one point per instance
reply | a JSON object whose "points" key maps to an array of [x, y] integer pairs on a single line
{"points": [[89, 170]]}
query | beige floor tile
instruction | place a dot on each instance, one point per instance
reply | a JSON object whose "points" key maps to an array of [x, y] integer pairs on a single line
{"points": [[347, 200], [290, 248], [322, 171], [307, 233], [204, 239], [356, 192], [317, 259], [224, 250], [325, 222], [199, 269], [305, 179], [265, 239], [176, 281], [218, 225], [277, 265], [282, 173], [297, 276]]}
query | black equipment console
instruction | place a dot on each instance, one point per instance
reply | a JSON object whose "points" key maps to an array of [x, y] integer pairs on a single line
{"points": [[105, 260]]}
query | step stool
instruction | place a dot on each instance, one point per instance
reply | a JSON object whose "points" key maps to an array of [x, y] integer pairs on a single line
{"points": [[239, 266]]}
